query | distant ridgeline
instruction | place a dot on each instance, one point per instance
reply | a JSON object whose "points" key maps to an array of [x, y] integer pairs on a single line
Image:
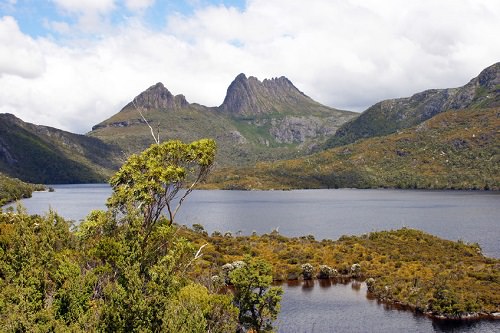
{"points": [[261, 123], [391, 115], [41, 154]]}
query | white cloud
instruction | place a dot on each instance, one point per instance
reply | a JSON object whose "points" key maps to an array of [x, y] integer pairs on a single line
{"points": [[346, 54], [79, 6], [20, 54], [91, 15], [138, 4]]}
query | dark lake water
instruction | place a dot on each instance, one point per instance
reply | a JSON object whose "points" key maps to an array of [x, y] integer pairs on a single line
{"points": [[315, 307]]}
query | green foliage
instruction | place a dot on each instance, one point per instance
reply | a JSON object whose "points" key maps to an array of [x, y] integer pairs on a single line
{"points": [[196, 310], [150, 181], [117, 272], [36, 272], [257, 301], [12, 189]]}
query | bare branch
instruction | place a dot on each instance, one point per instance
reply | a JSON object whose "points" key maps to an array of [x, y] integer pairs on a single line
{"points": [[196, 256], [198, 253], [201, 176], [157, 139]]}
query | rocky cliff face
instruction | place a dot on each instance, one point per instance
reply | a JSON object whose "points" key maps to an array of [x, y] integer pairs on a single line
{"points": [[391, 115], [281, 112], [249, 96]]}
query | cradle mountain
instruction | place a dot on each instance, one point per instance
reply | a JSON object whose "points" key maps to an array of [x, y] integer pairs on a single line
{"points": [[259, 124], [257, 121]]}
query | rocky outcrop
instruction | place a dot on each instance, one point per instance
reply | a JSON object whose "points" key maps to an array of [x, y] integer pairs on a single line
{"points": [[281, 112], [391, 115], [293, 129], [158, 97]]}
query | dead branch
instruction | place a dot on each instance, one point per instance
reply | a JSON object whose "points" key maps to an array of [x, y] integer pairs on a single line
{"points": [[157, 139]]}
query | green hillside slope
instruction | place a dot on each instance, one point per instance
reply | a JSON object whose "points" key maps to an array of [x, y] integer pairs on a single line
{"points": [[40, 154], [453, 150], [392, 115]]}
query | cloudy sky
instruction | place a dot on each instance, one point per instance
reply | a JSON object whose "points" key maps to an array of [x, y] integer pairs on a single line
{"points": [[73, 63]]}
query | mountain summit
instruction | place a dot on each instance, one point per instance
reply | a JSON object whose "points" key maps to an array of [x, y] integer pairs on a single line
{"points": [[258, 120], [249, 96], [158, 97]]}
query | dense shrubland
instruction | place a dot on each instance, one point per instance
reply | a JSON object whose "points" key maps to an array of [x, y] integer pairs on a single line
{"points": [[12, 189], [127, 269], [406, 266]]}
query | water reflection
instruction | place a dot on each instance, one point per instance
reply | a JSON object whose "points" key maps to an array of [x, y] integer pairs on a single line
{"points": [[344, 306]]}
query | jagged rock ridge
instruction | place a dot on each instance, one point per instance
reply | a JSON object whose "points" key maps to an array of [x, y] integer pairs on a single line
{"points": [[249, 96]]}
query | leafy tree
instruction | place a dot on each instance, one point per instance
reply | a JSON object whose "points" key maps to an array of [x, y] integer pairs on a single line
{"points": [[150, 181], [257, 301], [35, 268], [196, 310], [141, 262]]}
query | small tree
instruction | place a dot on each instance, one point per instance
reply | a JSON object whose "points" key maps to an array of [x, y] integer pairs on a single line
{"points": [[150, 181], [258, 302], [140, 262]]}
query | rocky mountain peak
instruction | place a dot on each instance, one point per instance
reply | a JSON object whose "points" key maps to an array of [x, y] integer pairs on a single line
{"points": [[10, 118], [159, 97], [490, 76], [247, 96]]}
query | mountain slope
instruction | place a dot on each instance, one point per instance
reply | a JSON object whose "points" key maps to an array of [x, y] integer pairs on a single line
{"points": [[453, 150], [392, 115], [41, 154], [257, 121]]}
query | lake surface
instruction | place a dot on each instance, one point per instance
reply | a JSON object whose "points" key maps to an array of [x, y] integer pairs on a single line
{"points": [[319, 306], [326, 214]]}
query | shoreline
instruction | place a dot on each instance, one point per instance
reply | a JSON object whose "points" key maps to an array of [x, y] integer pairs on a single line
{"points": [[396, 304]]}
